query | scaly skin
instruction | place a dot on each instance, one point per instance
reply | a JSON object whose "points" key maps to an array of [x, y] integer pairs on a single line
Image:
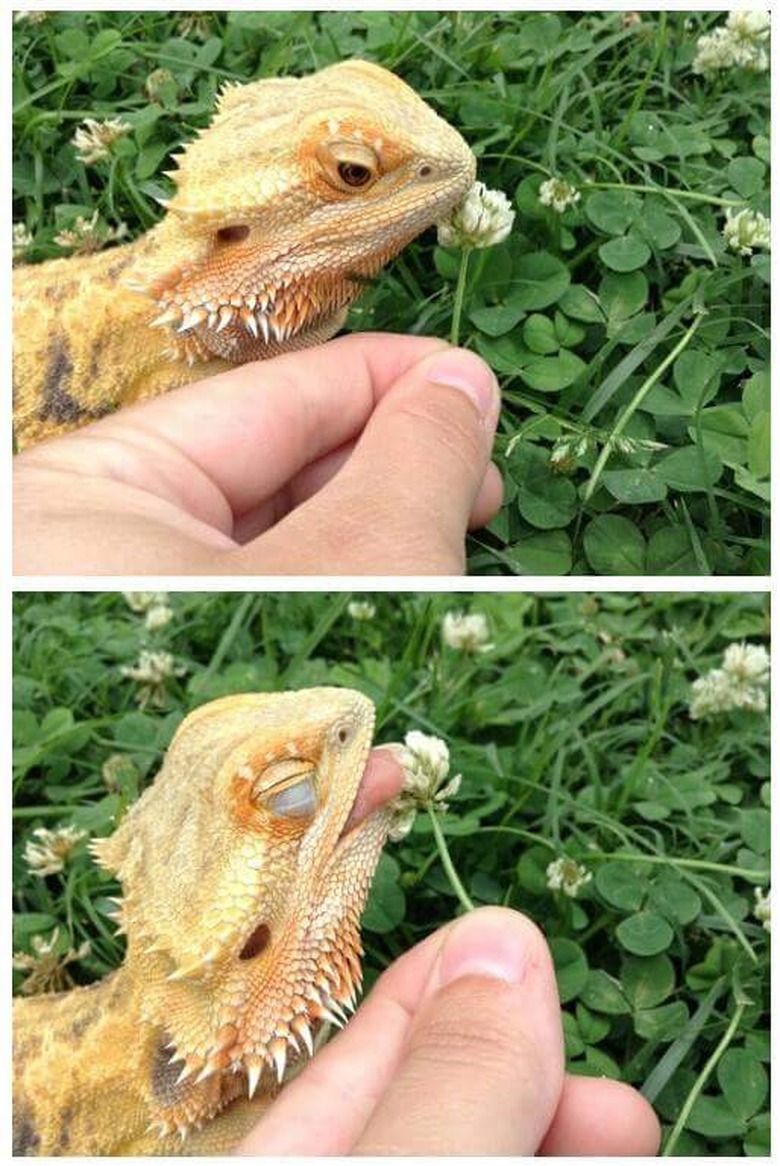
{"points": [[241, 902], [299, 191]]}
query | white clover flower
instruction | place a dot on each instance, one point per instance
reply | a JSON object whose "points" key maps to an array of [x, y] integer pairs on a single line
{"points": [[152, 673], [46, 968], [564, 874], [89, 235], [466, 633], [425, 761], [484, 218], [738, 684], [156, 82], [93, 139], [22, 238], [763, 909], [361, 609], [744, 230], [153, 605], [747, 663], [749, 24], [735, 44], [50, 853], [30, 16], [558, 194]]}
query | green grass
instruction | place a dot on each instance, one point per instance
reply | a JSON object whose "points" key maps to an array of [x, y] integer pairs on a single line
{"points": [[573, 738], [631, 343]]}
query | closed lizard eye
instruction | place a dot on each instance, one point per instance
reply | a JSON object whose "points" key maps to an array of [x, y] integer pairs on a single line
{"points": [[288, 788], [295, 801]]}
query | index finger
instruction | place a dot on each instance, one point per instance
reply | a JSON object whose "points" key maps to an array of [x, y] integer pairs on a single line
{"points": [[252, 428]]}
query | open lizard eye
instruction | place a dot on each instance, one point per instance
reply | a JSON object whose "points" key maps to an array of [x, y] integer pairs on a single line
{"points": [[348, 165], [354, 174]]}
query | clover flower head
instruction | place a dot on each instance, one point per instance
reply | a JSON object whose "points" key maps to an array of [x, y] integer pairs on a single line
{"points": [[745, 230], [484, 218], [739, 683], [49, 854], [87, 236], [558, 194], [736, 44], [93, 139], [152, 673], [22, 239], [762, 909], [46, 968], [564, 874], [466, 632], [361, 610], [425, 760]]}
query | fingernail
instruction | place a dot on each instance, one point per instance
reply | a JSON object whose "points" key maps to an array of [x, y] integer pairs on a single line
{"points": [[484, 945], [462, 370]]}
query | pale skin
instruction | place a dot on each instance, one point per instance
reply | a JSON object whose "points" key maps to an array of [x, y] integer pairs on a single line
{"points": [[458, 1050], [368, 455]]}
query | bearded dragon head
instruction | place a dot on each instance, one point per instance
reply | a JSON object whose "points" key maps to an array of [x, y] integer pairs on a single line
{"points": [[242, 890], [299, 191]]}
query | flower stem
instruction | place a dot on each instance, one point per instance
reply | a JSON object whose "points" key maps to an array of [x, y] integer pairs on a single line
{"points": [[447, 863], [460, 295], [691, 195]]}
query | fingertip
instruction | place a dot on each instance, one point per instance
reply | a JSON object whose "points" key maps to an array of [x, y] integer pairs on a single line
{"points": [[602, 1117]]}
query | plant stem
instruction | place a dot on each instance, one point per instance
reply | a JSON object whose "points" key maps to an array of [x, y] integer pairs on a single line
{"points": [[460, 295], [634, 404], [759, 876], [701, 1081], [447, 863], [691, 195]]}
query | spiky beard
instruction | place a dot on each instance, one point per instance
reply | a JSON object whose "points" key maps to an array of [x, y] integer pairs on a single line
{"points": [[263, 1011]]}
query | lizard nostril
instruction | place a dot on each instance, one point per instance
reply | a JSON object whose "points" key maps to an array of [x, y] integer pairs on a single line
{"points": [[257, 942], [233, 234]]}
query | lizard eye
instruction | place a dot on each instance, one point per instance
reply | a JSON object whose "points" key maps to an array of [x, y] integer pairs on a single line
{"points": [[288, 789], [354, 174], [296, 801], [348, 166]]}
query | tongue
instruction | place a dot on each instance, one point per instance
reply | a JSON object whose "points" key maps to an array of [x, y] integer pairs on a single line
{"points": [[382, 780]]}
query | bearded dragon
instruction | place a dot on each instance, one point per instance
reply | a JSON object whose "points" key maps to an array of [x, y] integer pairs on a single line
{"points": [[243, 877], [299, 191]]}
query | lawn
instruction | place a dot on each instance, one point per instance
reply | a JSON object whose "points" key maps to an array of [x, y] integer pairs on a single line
{"points": [[630, 336], [635, 834]]}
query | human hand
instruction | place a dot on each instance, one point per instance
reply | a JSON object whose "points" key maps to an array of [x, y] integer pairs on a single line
{"points": [[458, 1050], [357, 457]]}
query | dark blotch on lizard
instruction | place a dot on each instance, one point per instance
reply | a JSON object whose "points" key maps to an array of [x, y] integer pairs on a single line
{"points": [[25, 1136]]}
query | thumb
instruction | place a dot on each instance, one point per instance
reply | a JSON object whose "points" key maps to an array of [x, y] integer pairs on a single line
{"points": [[482, 1072], [402, 501], [424, 453]]}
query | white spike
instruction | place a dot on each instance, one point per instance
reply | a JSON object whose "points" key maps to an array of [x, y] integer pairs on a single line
{"points": [[301, 1027], [250, 323], [193, 319], [262, 320], [225, 318], [253, 1077], [205, 1072], [280, 1060], [331, 1017]]}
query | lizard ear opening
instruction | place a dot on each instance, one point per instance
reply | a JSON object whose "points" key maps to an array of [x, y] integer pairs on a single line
{"points": [[257, 942], [235, 234]]}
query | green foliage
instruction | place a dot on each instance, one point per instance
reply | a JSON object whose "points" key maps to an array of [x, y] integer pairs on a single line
{"points": [[623, 327], [573, 737]]}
